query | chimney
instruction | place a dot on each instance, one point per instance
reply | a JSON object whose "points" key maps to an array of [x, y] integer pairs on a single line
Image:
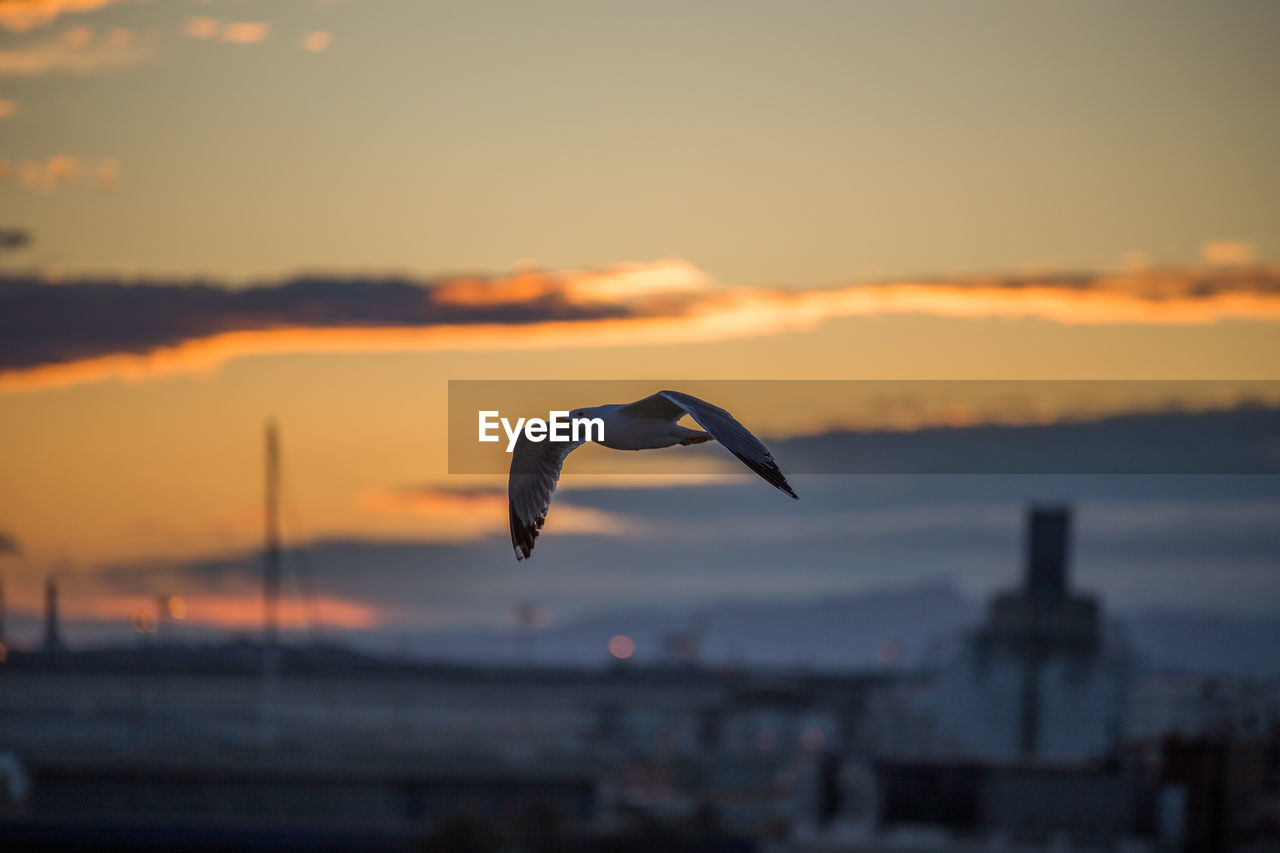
{"points": [[52, 642]]}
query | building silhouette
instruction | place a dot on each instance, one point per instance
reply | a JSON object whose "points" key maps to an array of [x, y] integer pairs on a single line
{"points": [[1035, 681]]}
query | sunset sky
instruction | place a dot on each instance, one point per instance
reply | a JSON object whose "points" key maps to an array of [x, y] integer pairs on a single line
{"points": [[379, 196]]}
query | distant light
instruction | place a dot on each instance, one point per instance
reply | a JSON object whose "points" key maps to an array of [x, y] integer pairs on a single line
{"points": [[622, 647], [177, 607], [812, 739]]}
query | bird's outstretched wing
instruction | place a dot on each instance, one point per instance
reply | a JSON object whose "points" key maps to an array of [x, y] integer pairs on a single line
{"points": [[535, 470], [723, 427]]}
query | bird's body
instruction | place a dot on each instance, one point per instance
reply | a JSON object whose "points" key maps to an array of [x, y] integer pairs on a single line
{"points": [[648, 424], [632, 432]]}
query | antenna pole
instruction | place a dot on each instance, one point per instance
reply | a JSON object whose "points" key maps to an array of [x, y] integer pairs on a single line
{"points": [[271, 553]]}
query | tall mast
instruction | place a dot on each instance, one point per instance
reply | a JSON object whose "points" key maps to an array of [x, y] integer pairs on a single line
{"points": [[52, 639], [271, 553]]}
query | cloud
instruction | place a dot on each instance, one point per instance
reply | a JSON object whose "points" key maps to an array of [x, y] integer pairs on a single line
{"points": [[1228, 252], [19, 16], [464, 516], [78, 50], [1170, 439], [234, 612], [107, 175], [58, 171], [235, 32], [9, 545], [244, 32], [201, 28], [77, 36], [1207, 542], [82, 331], [146, 319], [61, 171], [1135, 260], [317, 41], [12, 239]]}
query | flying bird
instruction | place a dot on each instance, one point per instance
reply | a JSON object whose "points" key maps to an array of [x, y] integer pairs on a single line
{"points": [[646, 424]]}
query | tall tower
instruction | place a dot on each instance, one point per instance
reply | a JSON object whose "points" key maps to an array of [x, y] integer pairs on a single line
{"points": [[1044, 589], [271, 550], [1048, 544], [1041, 621]]}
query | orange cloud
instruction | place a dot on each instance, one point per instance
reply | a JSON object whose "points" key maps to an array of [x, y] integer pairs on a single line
{"points": [[1158, 298], [76, 51], [107, 177], [1228, 252], [22, 15], [77, 36], [639, 305], [455, 516], [61, 171], [244, 32], [58, 171], [1135, 260], [619, 284], [234, 32], [317, 41], [231, 612], [201, 28]]}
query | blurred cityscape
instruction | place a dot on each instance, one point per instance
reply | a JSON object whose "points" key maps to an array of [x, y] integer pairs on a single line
{"points": [[1038, 730], [997, 282]]}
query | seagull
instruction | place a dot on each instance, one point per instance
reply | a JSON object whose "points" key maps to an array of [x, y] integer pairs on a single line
{"points": [[646, 424]]}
